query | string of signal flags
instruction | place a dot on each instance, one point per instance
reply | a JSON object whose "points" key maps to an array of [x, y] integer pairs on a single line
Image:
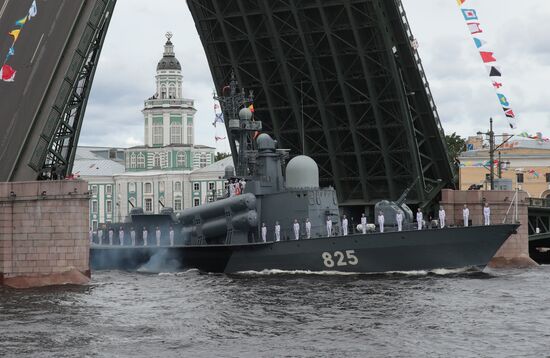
{"points": [[488, 57], [7, 73]]}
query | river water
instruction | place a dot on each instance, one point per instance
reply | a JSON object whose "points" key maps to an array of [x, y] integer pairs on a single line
{"points": [[189, 314]]}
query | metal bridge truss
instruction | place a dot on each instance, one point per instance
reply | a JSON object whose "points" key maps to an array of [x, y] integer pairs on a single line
{"points": [[338, 80], [56, 148]]}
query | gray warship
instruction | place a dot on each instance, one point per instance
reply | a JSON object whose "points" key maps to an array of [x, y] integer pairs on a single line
{"points": [[225, 236]]}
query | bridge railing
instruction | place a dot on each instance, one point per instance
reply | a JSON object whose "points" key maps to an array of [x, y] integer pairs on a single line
{"points": [[539, 202]]}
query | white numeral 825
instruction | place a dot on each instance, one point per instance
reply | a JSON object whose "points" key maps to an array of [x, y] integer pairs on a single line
{"points": [[341, 260]]}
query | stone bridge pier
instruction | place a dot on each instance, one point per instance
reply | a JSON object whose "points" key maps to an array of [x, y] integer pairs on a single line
{"points": [[515, 251], [44, 233]]}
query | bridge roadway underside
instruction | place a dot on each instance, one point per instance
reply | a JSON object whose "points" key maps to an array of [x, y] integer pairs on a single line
{"points": [[338, 80], [42, 109]]}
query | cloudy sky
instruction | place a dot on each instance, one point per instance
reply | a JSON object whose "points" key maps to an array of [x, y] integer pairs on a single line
{"points": [[517, 32]]}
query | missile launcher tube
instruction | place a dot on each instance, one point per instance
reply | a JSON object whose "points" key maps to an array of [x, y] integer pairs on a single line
{"points": [[218, 226], [216, 209]]}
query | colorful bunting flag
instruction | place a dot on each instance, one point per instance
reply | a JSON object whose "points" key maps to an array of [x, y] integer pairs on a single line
{"points": [[7, 74], [460, 2], [217, 138], [33, 10], [15, 34], [487, 56], [474, 28], [469, 14], [21, 22], [218, 119], [494, 71], [479, 42], [497, 85], [251, 107], [502, 99]]}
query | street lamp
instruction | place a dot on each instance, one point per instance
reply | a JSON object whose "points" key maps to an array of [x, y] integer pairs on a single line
{"points": [[492, 150]]}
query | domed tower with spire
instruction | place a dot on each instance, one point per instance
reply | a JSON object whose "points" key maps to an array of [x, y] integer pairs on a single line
{"points": [[168, 116]]}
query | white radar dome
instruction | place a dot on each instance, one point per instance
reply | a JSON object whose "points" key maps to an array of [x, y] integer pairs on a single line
{"points": [[302, 172]]}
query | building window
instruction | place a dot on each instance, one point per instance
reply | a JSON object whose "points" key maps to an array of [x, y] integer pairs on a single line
{"points": [[109, 189], [157, 134], [133, 161], [175, 133], [172, 91], [177, 205], [196, 186], [132, 187], [94, 206], [94, 225], [180, 159], [132, 202], [148, 188], [519, 177], [109, 206], [141, 160], [156, 161], [196, 202], [203, 160], [211, 186], [189, 132], [177, 186], [163, 92], [94, 189], [148, 205]]}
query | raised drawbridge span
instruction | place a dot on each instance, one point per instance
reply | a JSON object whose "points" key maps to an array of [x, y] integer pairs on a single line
{"points": [[338, 80]]}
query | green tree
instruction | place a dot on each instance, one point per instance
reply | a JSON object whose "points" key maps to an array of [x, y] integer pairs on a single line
{"points": [[456, 145], [221, 155]]}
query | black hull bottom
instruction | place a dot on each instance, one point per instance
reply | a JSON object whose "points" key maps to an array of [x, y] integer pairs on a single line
{"points": [[371, 253]]}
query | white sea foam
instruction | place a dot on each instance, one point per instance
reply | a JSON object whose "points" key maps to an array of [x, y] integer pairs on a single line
{"points": [[439, 272]]}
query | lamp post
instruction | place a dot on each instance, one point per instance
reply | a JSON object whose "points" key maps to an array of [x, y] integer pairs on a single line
{"points": [[492, 150]]}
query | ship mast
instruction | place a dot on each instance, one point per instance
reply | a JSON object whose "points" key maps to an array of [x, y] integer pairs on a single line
{"points": [[241, 124]]}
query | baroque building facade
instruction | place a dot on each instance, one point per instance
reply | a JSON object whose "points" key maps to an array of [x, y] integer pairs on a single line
{"points": [[169, 170]]}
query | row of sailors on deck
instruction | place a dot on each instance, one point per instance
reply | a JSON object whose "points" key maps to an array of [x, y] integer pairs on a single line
{"points": [[122, 237], [398, 219]]}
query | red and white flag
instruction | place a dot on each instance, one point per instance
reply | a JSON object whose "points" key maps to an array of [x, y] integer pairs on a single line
{"points": [[7, 73]]}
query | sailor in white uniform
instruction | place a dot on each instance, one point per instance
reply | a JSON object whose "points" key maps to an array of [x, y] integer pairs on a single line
{"points": [[91, 236], [419, 218], [145, 233], [441, 217], [399, 220], [465, 215], [277, 231], [100, 236], [381, 220], [264, 233], [296, 230], [345, 226], [133, 236], [171, 236], [363, 223], [487, 214], [329, 226], [157, 235], [308, 228], [121, 236], [111, 235]]}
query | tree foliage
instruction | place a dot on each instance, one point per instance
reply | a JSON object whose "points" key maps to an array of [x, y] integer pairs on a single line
{"points": [[456, 145]]}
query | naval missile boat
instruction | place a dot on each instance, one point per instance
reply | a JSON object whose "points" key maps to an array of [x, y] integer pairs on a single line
{"points": [[225, 236]]}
